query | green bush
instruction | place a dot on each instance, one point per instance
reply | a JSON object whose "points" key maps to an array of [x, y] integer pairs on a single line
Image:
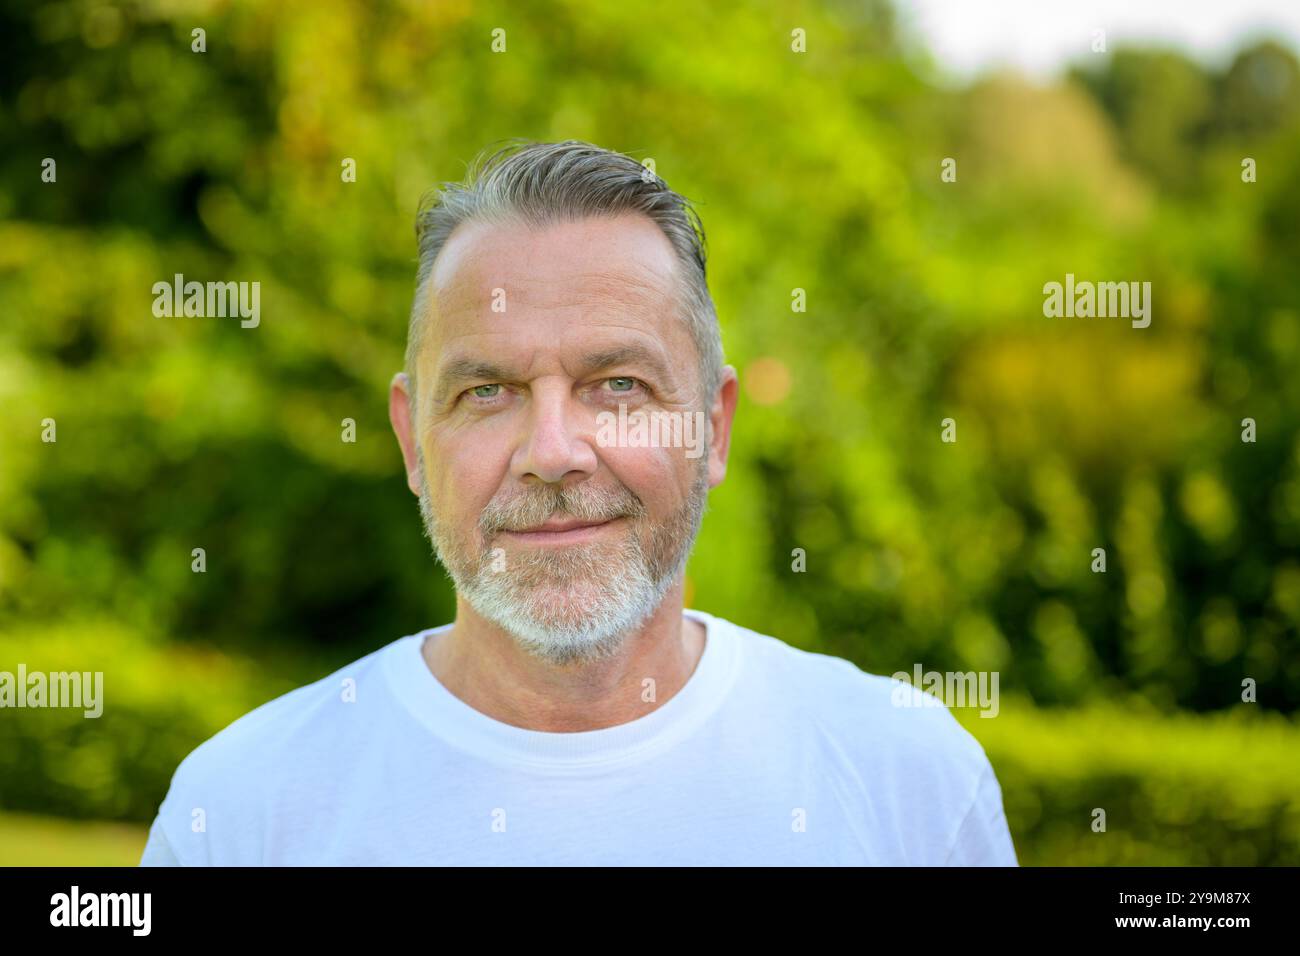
{"points": [[160, 700], [1219, 789]]}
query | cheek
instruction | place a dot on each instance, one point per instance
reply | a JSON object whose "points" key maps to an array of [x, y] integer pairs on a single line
{"points": [[660, 477], [464, 474]]}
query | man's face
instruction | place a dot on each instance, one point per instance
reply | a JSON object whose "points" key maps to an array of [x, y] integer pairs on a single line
{"points": [[566, 539]]}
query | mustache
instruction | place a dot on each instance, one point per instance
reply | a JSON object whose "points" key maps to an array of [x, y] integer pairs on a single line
{"points": [[534, 506]]}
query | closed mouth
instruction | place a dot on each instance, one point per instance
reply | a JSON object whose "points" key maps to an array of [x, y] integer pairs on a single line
{"points": [[560, 531]]}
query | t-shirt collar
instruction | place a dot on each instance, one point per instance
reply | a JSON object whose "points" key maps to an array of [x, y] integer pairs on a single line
{"points": [[460, 725]]}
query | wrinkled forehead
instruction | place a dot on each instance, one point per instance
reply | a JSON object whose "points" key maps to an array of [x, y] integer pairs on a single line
{"points": [[611, 268]]}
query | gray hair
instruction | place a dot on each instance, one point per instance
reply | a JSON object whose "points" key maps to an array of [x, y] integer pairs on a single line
{"points": [[543, 183]]}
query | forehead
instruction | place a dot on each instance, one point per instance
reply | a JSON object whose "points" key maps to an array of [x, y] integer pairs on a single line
{"points": [[512, 278]]}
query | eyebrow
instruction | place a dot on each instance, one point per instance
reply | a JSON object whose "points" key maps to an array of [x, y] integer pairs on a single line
{"points": [[460, 370], [627, 355], [469, 369]]}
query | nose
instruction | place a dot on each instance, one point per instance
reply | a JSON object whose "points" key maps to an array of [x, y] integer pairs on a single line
{"points": [[557, 442]]}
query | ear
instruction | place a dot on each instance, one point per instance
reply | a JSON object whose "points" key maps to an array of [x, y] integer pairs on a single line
{"points": [[720, 418], [400, 407]]}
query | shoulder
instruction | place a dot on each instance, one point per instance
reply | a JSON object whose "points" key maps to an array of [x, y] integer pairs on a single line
{"points": [[893, 742], [873, 708], [295, 720], [233, 777]]}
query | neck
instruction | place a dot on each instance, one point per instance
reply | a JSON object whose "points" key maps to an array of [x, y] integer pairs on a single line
{"points": [[479, 662]]}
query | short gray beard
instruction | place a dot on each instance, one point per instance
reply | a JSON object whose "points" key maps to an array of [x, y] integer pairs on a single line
{"points": [[580, 604]]}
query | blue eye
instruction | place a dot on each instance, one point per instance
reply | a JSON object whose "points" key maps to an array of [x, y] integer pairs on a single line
{"points": [[615, 386], [480, 393]]}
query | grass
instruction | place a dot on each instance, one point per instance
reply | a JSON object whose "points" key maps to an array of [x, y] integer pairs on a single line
{"points": [[27, 840]]}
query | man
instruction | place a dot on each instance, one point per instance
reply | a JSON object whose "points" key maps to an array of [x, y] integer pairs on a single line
{"points": [[574, 713]]}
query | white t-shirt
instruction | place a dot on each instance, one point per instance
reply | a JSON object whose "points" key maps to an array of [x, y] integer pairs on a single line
{"points": [[768, 755]]}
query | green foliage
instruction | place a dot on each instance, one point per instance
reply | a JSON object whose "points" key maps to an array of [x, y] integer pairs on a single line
{"points": [[160, 700], [27, 840], [1181, 790]]}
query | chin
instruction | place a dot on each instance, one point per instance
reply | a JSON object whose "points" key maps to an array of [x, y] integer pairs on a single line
{"points": [[576, 620]]}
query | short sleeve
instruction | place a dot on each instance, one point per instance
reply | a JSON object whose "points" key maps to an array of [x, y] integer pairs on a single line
{"points": [[984, 839]]}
